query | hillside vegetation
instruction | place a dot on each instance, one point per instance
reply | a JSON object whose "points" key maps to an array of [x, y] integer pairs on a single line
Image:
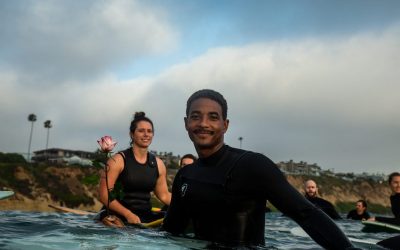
{"points": [[36, 186]]}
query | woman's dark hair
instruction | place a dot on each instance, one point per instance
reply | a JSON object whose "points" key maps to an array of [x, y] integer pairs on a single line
{"points": [[138, 117], [209, 94], [392, 175]]}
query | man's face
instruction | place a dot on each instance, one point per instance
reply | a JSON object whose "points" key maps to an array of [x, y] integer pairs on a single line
{"points": [[359, 207], [395, 184], [205, 124], [186, 161], [311, 189]]}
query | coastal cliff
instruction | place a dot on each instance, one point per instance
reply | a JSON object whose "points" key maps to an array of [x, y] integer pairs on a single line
{"points": [[38, 186]]}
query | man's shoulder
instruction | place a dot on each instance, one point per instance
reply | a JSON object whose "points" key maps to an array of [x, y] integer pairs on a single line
{"points": [[326, 202], [247, 154], [395, 197], [252, 163]]}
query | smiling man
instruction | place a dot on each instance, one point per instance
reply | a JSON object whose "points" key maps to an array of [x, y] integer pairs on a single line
{"points": [[222, 196]]}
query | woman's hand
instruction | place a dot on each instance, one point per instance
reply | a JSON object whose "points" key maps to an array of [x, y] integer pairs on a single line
{"points": [[113, 221], [132, 218]]}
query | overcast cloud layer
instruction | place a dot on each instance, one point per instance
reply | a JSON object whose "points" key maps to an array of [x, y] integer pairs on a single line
{"points": [[329, 96]]}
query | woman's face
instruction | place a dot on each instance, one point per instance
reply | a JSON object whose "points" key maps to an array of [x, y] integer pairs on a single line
{"points": [[395, 184], [143, 134]]}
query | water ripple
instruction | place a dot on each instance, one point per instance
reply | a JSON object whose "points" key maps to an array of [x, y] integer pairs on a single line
{"points": [[33, 230]]}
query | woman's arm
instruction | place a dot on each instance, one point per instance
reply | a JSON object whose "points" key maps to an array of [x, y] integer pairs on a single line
{"points": [[161, 189], [115, 167]]}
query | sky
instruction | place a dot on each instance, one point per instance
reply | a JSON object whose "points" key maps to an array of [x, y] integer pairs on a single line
{"points": [[312, 81]]}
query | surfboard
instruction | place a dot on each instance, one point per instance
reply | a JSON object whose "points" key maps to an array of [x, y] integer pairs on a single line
{"points": [[6, 194], [376, 226], [71, 210], [152, 224]]}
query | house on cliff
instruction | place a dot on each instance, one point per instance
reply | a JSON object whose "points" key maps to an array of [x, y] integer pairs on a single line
{"points": [[299, 168], [59, 156]]}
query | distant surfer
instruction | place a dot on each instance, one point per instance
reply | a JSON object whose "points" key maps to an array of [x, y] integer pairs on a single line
{"points": [[222, 195], [360, 212], [186, 160], [394, 183], [311, 193]]}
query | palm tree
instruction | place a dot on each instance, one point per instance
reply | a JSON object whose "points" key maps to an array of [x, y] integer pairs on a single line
{"points": [[240, 141], [48, 125], [32, 119]]}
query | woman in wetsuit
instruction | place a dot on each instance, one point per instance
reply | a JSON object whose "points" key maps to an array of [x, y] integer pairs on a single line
{"points": [[139, 173], [222, 195]]}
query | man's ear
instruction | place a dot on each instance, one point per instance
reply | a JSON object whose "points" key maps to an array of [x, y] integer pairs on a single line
{"points": [[226, 125], [186, 121]]}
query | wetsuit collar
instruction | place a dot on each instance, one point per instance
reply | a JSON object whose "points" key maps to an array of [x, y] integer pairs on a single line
{"points": [[214, 159]]}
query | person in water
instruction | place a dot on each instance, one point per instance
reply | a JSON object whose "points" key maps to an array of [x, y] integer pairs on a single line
{"points": [[139, 173], [311, 193], [222, 195], [394, 183], [186, 160], [360, 212]]}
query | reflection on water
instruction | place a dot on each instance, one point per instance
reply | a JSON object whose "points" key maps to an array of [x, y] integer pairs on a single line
{"points": [[28, 230]]}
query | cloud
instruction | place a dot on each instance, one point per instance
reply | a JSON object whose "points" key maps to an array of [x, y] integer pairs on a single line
{"points": [[63, 40], [330, 101], [310, 99]]}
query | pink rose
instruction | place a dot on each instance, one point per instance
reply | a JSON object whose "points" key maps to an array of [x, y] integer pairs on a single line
{"points": [[106, 143]]}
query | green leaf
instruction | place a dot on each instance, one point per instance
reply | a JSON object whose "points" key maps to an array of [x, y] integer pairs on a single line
{"points": [[117, 192], [98, 164]]}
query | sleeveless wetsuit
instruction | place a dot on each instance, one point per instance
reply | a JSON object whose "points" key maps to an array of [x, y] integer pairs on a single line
{"points": [[395, 203], [137, 181], [223, 198], [325, 206]]}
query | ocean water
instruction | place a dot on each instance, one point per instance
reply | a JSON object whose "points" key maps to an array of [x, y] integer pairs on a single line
{"points": [[34, 230]]}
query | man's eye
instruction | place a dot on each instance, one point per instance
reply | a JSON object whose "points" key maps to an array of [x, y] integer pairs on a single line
{"points": [[214, 117]]}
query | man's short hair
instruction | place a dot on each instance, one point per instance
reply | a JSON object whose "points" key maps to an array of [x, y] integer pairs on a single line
{"points": [[392, 175], [363, 202], [187, 156], [209, 94]]}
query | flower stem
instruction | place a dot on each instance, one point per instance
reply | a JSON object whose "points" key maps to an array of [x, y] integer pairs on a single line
{"points": [[108, 190]]}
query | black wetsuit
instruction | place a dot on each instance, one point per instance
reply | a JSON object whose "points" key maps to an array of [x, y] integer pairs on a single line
{"points": [[395, 203], [355, 216], [325, 206], [137, 181], [390, 243], [223, 197]]}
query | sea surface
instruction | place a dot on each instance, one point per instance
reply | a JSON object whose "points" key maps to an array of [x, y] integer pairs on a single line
{"points": [[37, 230]]}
